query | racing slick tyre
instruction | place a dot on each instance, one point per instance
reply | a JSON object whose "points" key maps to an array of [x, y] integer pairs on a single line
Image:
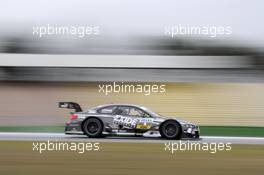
{"points": [[171, 130], [93, 128]]}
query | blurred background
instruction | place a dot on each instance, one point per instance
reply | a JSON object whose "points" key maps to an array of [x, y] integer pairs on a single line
{"points": [[210, 81], [216, 82]]}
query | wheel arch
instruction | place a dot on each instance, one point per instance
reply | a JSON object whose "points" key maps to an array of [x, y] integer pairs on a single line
{"points": [[173, 120]]}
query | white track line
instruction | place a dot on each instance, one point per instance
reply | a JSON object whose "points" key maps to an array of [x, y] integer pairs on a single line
{"points": [[27, 136]]}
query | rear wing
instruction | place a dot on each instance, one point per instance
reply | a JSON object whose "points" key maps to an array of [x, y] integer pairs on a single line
{"points": [[70, 105]]}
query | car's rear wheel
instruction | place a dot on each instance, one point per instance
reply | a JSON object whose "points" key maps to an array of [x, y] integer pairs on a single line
{"points": [[93, 127], [171, 130]]}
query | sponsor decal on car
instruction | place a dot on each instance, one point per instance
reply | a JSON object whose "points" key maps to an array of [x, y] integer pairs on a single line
{"points": [[138, 123], [125, 121], [142, 126]]}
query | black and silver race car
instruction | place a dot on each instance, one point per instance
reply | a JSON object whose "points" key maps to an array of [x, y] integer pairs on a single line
{"points": [[125, 120]]}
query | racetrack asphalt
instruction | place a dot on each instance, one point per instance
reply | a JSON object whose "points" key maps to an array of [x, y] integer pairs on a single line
{"points": [[23, 136]]}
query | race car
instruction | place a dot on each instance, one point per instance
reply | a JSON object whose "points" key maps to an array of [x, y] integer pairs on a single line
{"points": [[125, 120]]}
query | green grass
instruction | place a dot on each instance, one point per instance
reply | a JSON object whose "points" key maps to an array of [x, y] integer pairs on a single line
{"points": [[205, 130], [57, 129], [232, 131]]}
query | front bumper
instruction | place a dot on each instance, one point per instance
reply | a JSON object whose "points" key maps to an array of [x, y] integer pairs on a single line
{"points": [[191, 131]]}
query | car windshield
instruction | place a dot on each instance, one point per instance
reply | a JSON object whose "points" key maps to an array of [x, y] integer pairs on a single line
{"points": [[154, 114]]}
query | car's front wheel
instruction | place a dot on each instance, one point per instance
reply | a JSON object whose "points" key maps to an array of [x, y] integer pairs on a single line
{"points": [[171, 130], [93, 127]]}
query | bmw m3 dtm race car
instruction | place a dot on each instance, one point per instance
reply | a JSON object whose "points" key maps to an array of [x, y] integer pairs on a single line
{"points": [[125, 120]]}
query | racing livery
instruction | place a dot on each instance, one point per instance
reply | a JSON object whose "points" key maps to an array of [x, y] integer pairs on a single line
{"points": [[126, 120]]}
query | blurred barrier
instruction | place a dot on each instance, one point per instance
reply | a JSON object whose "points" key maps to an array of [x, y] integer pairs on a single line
{"points": [[55, 74], [125, 61]]}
